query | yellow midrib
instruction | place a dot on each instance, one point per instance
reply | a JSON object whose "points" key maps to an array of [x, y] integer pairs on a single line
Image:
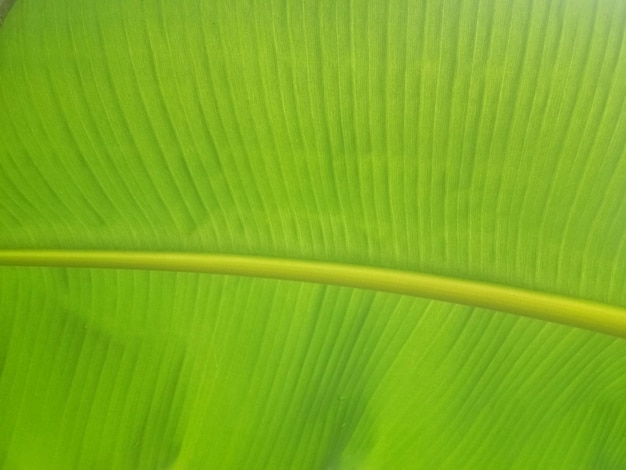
{"points": [[608, 319]]}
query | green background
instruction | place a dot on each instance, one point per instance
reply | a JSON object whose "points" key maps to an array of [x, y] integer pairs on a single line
{"points": [[483, 140]]}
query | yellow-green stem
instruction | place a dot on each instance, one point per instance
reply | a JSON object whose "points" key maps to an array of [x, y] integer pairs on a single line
{"points": [[575, 312]]}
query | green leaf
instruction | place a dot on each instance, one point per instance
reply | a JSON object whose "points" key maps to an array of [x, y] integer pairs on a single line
{"points": [[5, 6], [402, 198]]}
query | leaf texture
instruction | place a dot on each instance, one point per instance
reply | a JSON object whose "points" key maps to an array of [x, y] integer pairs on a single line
{"points": [[162, 370], [475, 139]]}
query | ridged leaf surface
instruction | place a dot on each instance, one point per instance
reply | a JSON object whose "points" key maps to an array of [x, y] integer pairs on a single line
{"points": [[474, 139]]}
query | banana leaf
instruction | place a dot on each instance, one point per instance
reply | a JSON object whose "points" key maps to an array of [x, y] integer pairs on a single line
{"points": [[313, 234]]}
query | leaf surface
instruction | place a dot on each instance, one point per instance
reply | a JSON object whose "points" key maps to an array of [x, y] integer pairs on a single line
{"points": [[475, 140]]}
